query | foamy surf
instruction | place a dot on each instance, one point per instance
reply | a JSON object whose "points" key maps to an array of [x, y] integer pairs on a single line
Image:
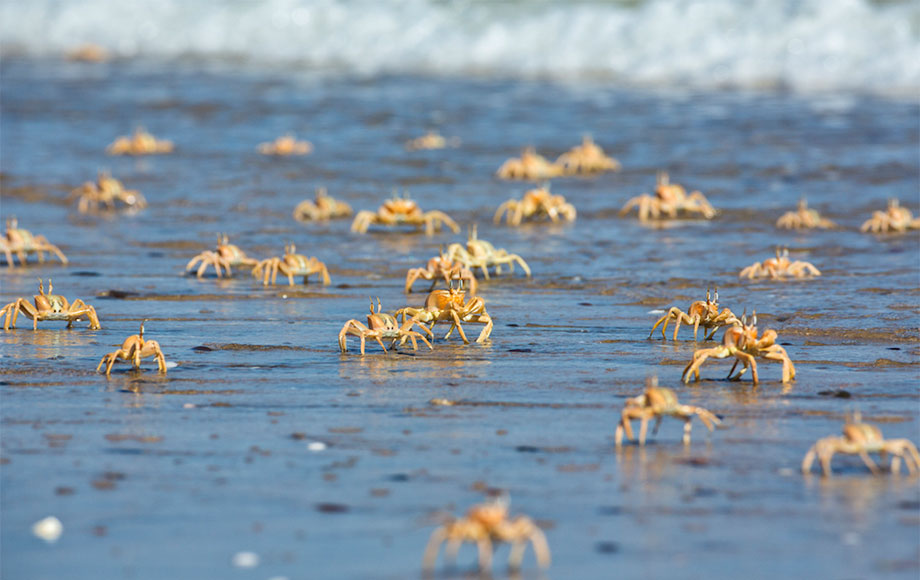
{"points": [[806, 45]]}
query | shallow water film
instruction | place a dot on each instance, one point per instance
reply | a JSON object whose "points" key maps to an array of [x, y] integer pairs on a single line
{"points": [[266, 453]]}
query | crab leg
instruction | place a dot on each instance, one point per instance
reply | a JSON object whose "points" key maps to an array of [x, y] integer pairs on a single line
{"points": [[457, 325], [438, 537], [626, 426], [485, 553], [26, 308], [643, 429]]}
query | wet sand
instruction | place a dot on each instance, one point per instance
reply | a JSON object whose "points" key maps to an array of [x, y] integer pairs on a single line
{"points": [[171, 476]]}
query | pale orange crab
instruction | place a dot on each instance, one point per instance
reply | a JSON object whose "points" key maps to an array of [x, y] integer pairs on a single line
{"points": [[780, 267], [324, 207], [398, 211], [106, 194], [141, 143], [895, 219], [134, 349], [530, 166], [803, 219], [431, 140], [23, 242], [587, 158], [656, 403], [449, 306], [668, 201], [286, 145], [537, 203], [290, 264], [441, 267], [382, 326], [49, 307], [741, 342], [483, 255], [484, 525], [223, 257], [862, 439], [88, 53], [701, 313]]}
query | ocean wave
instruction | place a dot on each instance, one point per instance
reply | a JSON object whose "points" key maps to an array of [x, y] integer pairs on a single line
{"points": [[804, 45]]}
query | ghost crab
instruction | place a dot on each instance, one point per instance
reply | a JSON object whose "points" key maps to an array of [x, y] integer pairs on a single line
{"points": [[741, 342], [701, 313], [803, 219], [290, 264], [862, 439], [537, 203], [530, 166], [656, 403], [382, 326], [223, 257], [141, 143], [403, 211], [449, 306], [485, 524], [285, 145], [780, 267], [441, 267], [669, 199], [49, 307], [895, 219], [134, 349], [105, 193], [483, 255], [23, 242], [587, 158], [324, 207]]}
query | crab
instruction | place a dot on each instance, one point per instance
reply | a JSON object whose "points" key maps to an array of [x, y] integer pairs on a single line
{"points": [[485, 524], [431, 140], [223, 257], [403, 211], [803, 219], [290, 264], [483, 255], [537, 203], [530, 166], [88, 53], [780, 267], [141, 143], [105, 193], [895, 219], [285, 145], [656, 403], [449, 306], [382, 326], [23, 242], [862, 439], [134, 349], [586, 158], [441, 266], [669, 199], [742, 343], [701, 313], [49, 307], [324, 207]]}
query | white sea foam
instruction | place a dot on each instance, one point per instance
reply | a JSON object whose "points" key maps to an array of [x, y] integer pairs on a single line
{"points": [[859, 45]]}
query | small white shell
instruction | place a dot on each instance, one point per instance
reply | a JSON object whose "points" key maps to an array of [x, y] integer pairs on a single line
{"points": [[48, 529], [245, 560]]}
